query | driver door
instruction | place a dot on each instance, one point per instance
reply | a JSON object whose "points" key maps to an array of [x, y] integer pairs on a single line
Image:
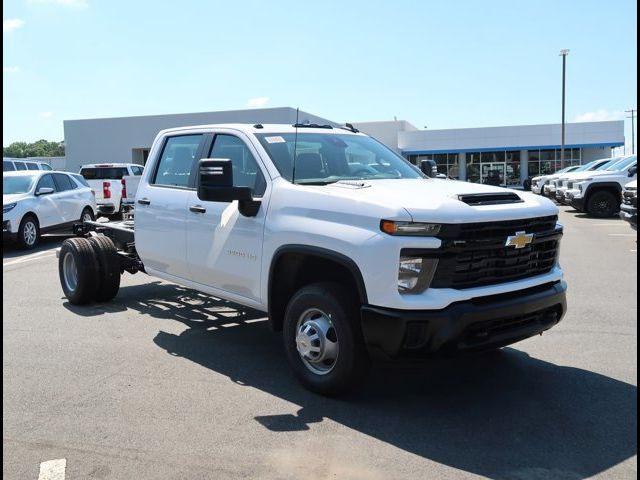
{"points": [[224, 248]]}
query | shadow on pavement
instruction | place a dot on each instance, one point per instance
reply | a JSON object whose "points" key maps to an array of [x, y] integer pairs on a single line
{"points": [[504, 415]]}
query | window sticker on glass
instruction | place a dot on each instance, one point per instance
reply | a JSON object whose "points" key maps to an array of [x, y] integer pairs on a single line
{"points": [[275, 139]]}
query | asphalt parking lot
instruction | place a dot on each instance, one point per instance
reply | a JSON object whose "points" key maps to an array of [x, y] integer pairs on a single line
{"points": [[167, 383]]}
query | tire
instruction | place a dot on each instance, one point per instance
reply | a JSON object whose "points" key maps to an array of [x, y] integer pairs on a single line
{"points": [[29, 232], [108, 268], [78, 271], [603, 204], [87, 214], [325, 307]]}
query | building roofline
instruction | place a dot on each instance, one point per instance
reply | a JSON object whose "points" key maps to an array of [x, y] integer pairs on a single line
{"points": [[510, 149], [164, 115]]}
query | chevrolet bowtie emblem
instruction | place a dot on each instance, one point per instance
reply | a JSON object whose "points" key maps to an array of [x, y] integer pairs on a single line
{"points": [[519, 240]]}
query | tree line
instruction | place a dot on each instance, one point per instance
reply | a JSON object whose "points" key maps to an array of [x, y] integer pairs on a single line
{"points": [[41, 148]]}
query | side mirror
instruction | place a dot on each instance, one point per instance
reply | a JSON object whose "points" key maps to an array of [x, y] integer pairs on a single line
{"points": [[633, 171], [429, 168], [215, 184], [44, 191]]}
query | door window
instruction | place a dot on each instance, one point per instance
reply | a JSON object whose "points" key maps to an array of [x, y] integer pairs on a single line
{"points": [[136, 170], [20, 166], [246, 172], [32, 166], [46, 182], [176, 163], [7, 166], [63, 182]]}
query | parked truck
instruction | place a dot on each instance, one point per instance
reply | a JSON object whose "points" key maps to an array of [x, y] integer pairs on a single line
{"points": [[348, 248], [108, 182]]}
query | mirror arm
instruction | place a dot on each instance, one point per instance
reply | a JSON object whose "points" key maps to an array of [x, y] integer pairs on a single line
{"points": [[249, 208]]}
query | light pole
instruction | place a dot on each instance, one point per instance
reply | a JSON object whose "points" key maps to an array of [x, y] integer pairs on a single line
{"points": [[563, 53], [633, 129]]}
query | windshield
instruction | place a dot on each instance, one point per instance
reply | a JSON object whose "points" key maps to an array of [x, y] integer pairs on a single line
{"points": [[620, 164], [327, 158], [19, 184]]}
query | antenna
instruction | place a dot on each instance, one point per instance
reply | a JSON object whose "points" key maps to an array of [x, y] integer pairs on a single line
{"points": [[295, 149]]}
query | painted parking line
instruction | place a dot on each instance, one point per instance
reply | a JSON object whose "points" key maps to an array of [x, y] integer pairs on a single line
{"points": [[40, 256], [53, 469], [623, 234]]}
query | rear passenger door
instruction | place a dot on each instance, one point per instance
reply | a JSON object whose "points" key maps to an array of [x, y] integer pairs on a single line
{"points": [[161, 206], [66, 197]]}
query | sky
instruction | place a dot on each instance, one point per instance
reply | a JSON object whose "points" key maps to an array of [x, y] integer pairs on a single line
{"points": [[437, 64]]}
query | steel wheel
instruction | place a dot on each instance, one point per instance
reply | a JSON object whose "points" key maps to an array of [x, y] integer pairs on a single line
{"points": [[86, 216], [317, 341], [70, 272]]}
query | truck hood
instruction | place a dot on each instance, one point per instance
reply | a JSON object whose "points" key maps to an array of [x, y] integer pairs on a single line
{"points": [[13, 198], [432, 200], [600, 175]]}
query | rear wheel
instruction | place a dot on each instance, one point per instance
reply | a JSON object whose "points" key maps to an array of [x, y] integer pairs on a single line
{"points": [[78, 270], [29, 232], [87, 215], [323, 340], [603, 204], [108, 268]]}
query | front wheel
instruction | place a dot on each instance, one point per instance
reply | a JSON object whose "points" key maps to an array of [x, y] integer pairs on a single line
{"points": [[603, 204], [29, 232], [323, 340]]}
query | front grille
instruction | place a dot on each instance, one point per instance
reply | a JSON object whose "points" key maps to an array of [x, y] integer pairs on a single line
{"points": [[629, 197], [570, 185], [475, 255]]}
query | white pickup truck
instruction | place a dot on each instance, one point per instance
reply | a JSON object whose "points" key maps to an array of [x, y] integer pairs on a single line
{"points": [[108, 181], [599, 193], [348, 248]]}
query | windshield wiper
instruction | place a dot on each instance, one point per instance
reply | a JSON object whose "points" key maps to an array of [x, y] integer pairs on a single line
{"points": [[319, 182]]}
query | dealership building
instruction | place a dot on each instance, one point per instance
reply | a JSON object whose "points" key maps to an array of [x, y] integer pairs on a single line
{"points": [[515, 152]]}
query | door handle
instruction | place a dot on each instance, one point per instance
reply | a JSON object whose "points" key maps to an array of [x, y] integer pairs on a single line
{"points": [[197, 209], [144, 201]]}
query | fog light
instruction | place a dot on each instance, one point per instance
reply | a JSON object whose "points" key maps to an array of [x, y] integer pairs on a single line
{"points": [[415, 273]]}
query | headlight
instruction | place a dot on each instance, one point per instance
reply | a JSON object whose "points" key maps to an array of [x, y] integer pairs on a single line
{"points": [[415, 273], [8, 207], [409, 228]]}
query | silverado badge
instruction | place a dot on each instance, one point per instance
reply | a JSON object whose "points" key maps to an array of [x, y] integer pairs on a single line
{"points": [[519, 240]]}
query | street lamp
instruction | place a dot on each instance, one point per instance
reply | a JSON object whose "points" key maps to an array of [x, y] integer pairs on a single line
{"points": [[563, 53]]}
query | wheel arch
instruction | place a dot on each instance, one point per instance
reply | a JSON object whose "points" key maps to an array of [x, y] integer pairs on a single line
{"points": [[305, 264], [613, 187]]}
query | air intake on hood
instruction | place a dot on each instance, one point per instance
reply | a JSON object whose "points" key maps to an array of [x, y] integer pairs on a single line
{"points": [[490, 198]]}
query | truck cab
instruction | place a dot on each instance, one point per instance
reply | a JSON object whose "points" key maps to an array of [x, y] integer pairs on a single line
{"points": [[349, 249]]}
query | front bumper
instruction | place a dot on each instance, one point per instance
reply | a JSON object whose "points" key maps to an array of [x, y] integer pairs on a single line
{"points": [[7, 234], [478, 324], [577, 202], [629, 214]]}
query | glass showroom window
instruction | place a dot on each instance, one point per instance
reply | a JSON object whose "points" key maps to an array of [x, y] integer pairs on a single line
{"points": [[513, 168], [473, 167], [453, 167], [534, 163]]}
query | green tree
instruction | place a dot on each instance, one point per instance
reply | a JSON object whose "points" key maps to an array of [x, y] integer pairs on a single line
{"points": [[41, 148]]}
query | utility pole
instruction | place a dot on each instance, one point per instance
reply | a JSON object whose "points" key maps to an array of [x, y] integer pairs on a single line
{"points": [[563, 53], [633, 113]]}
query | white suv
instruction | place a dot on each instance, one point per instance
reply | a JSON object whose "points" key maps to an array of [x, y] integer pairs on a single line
{"points": [[36, 202], [13, 165]]}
